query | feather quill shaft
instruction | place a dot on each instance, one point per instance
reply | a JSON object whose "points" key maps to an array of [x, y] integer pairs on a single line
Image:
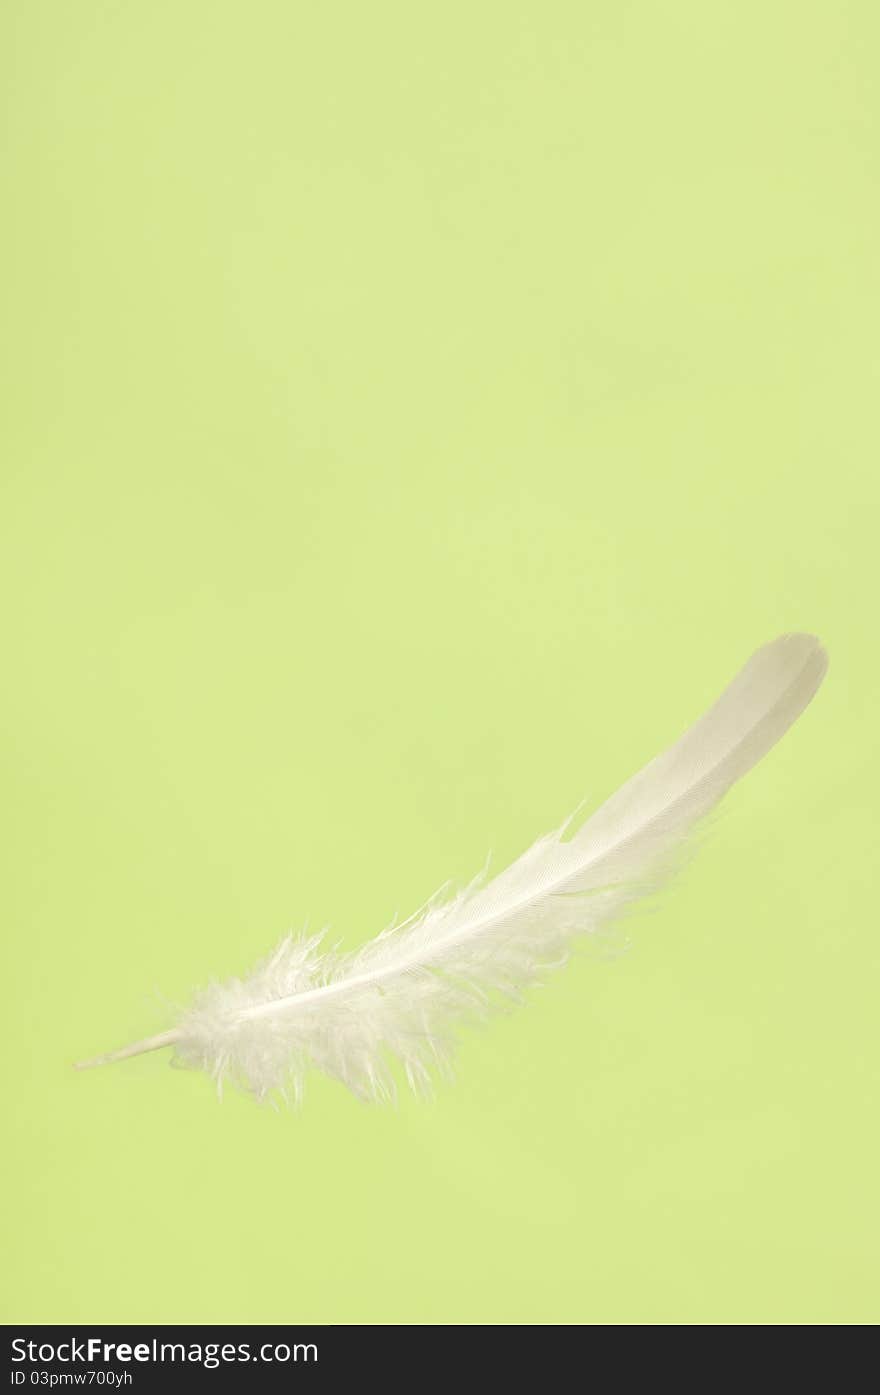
{"points": [[398, 997]]}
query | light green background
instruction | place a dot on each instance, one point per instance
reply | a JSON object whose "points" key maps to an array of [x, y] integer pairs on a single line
{"points": [[413, 416]]}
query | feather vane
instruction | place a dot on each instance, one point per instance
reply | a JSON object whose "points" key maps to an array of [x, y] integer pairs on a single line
{"points": [[399, 997]]}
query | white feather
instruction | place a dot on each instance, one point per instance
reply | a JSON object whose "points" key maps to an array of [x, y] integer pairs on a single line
{"points": [[399, 997]]}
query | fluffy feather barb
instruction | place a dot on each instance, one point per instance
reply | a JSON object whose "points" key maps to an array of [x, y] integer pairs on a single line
{"points": [[399, 997]]}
